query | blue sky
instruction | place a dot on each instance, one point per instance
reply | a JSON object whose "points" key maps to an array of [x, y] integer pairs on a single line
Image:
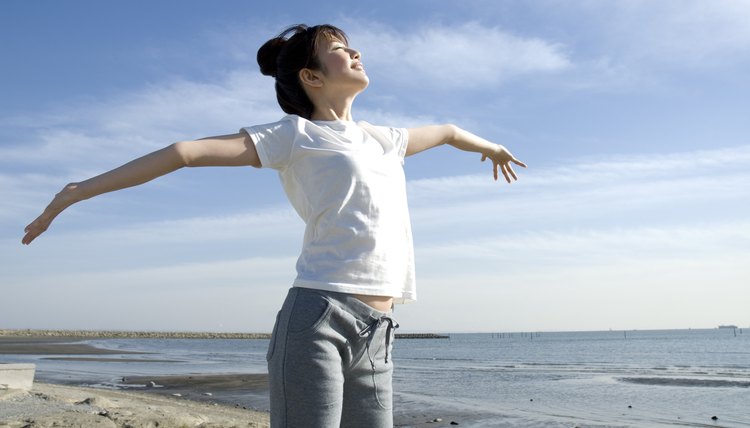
{"points": [[632, 116]]}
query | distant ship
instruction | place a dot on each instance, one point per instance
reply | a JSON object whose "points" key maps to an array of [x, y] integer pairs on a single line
{"points": [[728, 326]]}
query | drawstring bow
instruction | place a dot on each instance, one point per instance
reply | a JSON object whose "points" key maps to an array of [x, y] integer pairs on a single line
{"points": [[369, 332]]}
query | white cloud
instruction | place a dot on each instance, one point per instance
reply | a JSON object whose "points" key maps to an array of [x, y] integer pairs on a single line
{"points": [[592, 210], [464, 56], [691, 33], [77, 141], [258, 224], [613, 169], [580, 247], [646, 45], [586, 245], [79, 136]]}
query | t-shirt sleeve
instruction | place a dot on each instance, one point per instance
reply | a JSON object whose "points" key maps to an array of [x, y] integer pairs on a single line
{"points": [[399, 137], [273, 142]]}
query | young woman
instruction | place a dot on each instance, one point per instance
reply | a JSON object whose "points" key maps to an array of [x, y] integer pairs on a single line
{"points": [[329, 357]]}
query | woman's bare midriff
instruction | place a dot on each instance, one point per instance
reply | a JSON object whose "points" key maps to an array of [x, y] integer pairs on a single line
{"points": [[380, 303]]}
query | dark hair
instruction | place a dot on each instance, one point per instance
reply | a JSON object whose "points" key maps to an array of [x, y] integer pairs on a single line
{"points": [[286, 54]]}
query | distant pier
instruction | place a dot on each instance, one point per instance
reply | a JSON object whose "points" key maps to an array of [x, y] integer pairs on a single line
{"points": [[421, 336]]}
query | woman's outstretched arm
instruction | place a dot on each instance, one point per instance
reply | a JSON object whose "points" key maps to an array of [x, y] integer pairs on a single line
{"points": [[427, 137], [226, 150]]}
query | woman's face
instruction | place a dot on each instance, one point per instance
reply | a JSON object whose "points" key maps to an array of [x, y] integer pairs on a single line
{"points": [[341, 65]]}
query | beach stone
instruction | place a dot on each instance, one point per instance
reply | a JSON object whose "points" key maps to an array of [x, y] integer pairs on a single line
{"points": [[96, 401], [42, 396], [454, 423], [714, 418], [437, 420]]}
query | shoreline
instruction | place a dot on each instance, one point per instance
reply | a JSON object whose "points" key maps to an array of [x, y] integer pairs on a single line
{"points": [[45, 345]]}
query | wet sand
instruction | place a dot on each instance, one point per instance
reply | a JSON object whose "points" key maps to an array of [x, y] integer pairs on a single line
{"points": [[231, 381], [51, 346]]}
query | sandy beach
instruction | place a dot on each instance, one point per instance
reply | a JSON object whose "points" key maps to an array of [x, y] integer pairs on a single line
{"points": [[49, 405], [177, 401]]}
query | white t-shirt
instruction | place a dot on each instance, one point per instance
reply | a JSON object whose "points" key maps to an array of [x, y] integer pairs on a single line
{"points": [[348, 186]]}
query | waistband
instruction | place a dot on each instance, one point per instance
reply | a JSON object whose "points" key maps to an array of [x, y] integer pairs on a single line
{"points": [[353, 305]]}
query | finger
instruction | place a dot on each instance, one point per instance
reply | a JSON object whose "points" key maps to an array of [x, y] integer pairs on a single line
{"points": [[494, 170], [27, 239], [36, 228], [484, 157], [518, 162], [30, 235], [505, 173], [512, 173]]}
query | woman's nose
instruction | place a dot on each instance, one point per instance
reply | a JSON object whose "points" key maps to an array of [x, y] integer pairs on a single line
{"points": [[355, 54]]}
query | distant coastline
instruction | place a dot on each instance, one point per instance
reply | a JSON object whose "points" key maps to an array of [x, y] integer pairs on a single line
{"points": [[118, 334]]}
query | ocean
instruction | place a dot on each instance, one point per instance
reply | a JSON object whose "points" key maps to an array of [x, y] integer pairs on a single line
{"points": [[664, 378]]}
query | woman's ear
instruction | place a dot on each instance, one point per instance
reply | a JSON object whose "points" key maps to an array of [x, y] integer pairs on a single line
{"points": [[310, 78]]}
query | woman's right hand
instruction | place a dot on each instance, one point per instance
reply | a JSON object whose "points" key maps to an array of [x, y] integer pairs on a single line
{"points": [[62, 200]]}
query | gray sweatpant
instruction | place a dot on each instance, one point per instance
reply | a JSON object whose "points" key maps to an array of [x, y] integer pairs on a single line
{"points": [[329, 363]]}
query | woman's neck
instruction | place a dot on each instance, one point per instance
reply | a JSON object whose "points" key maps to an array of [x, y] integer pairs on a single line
{"points": [[329, 109]]}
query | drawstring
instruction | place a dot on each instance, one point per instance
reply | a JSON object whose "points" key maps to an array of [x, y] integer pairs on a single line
{"points": [[370, 330]]}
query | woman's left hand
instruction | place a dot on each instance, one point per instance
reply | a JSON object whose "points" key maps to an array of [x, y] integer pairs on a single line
{"points": [[502, 159]]}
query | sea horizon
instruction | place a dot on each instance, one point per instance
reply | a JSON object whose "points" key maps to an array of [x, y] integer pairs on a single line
{"points": [[224, 334]]}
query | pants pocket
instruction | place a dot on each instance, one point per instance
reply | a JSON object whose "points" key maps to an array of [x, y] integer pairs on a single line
{"points": [[309, 312]]}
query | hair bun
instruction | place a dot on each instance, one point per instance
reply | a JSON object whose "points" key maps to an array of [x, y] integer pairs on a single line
{"points": [[268, 55]]}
